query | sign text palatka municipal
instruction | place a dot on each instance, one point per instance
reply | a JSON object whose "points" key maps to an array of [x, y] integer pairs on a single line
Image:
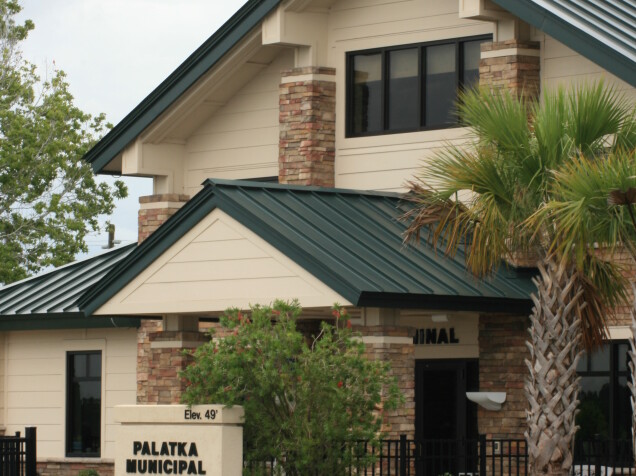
{"points": [[179, 440], [165, 457]]}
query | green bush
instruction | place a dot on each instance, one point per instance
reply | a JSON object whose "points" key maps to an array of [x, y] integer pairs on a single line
{"points": [[88, 472], [307, 400]]}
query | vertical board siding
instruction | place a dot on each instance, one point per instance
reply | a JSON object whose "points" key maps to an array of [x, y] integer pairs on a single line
{"points": [[36, 382]]}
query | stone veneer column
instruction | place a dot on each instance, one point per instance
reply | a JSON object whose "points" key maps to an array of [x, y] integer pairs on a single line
{"points": [[165, 359], [502, 368], [154, 210], [307, 121], [511, 64], [395, 345]]}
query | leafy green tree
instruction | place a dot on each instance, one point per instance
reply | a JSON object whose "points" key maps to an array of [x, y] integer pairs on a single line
{"points": [[49, 199], [307, 400], [505, 180]]}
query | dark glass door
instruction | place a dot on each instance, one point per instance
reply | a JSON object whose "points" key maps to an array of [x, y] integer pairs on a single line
{"points": [[445, 421]]}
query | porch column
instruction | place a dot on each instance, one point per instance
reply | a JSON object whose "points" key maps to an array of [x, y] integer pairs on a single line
{"points": [[160, 357], [395, 345]]}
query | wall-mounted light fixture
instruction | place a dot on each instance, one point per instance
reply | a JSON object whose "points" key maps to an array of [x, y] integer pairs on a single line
{"points": [[487, 400]]}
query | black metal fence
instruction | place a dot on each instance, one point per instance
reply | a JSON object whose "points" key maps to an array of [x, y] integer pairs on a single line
{"points": [[484, 457], [18, 454]]}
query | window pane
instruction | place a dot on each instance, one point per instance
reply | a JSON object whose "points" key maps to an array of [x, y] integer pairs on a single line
{"points": [[594, 416], [623, 357], [79, 365], [84, 395], [600, 361], [441, 86], [623, 420], [403, 89], [471, 54], [582, 365], [367, 94]]}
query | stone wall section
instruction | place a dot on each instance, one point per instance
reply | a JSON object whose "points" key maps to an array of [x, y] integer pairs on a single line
{"points": [[154, 210], [307, 121], [511, 64], [502, 368], [54, 467], [401, 358], [166, 359], [147, 327]]}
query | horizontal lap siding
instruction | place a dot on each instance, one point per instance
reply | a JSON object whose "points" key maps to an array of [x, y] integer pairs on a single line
{"points": [[240, 140], [36, 378], [561, 66], [386, 162]]}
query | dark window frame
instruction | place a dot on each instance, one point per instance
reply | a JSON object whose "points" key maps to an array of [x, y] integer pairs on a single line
{"points": [[70, 380], [385, 69]]}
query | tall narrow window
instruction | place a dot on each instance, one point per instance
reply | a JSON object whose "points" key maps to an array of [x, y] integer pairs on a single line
{"points": [[83, 403], [604, 409]]}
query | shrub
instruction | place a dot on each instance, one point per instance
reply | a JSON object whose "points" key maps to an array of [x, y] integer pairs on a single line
{"points": [[307, 400]]}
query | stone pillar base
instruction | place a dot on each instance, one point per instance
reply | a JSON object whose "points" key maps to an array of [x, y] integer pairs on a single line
{"points": [[160, 383], [395, 345]]}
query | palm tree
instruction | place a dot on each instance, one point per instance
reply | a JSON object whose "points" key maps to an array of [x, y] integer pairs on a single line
{"points": [[594, 204], [490, 198]]}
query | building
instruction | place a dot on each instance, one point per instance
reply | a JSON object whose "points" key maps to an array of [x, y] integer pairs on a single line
{"points": [[309, 93]]}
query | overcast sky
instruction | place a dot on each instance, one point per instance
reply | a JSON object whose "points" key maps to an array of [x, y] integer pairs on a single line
{"points": [[115, 52]]}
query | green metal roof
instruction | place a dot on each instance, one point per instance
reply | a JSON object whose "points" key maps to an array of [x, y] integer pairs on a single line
{"points": [[350, 240], [602, 31], [195, 66], [49, 300]]}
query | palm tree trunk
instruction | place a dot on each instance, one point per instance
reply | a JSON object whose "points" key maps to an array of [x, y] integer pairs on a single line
{"points": [[632, 367], [552, 387]]}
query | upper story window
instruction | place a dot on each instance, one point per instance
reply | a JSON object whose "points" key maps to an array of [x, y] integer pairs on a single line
{"points": [[409, 88]]}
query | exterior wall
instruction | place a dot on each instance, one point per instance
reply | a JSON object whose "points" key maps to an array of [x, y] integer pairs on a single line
{"points": [[240, 140], [217, 264], [562, 66], [386, 162], [502, 368], [395, 345], [36, 382], [59, 467]]}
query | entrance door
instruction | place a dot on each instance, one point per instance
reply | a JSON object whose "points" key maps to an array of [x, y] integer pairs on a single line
{"points": [[445, 421]]}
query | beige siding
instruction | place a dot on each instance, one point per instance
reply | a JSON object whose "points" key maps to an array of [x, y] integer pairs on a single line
{"points": [[386, 162], [241, 139], [561, 66], [36, 375], [217, 264]]}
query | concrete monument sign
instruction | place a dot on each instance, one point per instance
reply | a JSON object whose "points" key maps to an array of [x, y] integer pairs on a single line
{"points": [[179, 440]]}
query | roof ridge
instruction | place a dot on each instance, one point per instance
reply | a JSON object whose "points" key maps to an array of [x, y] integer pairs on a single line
{"points": [[212, 182]]}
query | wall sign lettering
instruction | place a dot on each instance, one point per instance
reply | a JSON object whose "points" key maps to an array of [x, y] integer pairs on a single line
{"points": [[434, 335]]}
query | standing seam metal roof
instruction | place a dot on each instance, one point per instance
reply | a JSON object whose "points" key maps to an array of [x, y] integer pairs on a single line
{"points": [[58, 291], [350, 240]]}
